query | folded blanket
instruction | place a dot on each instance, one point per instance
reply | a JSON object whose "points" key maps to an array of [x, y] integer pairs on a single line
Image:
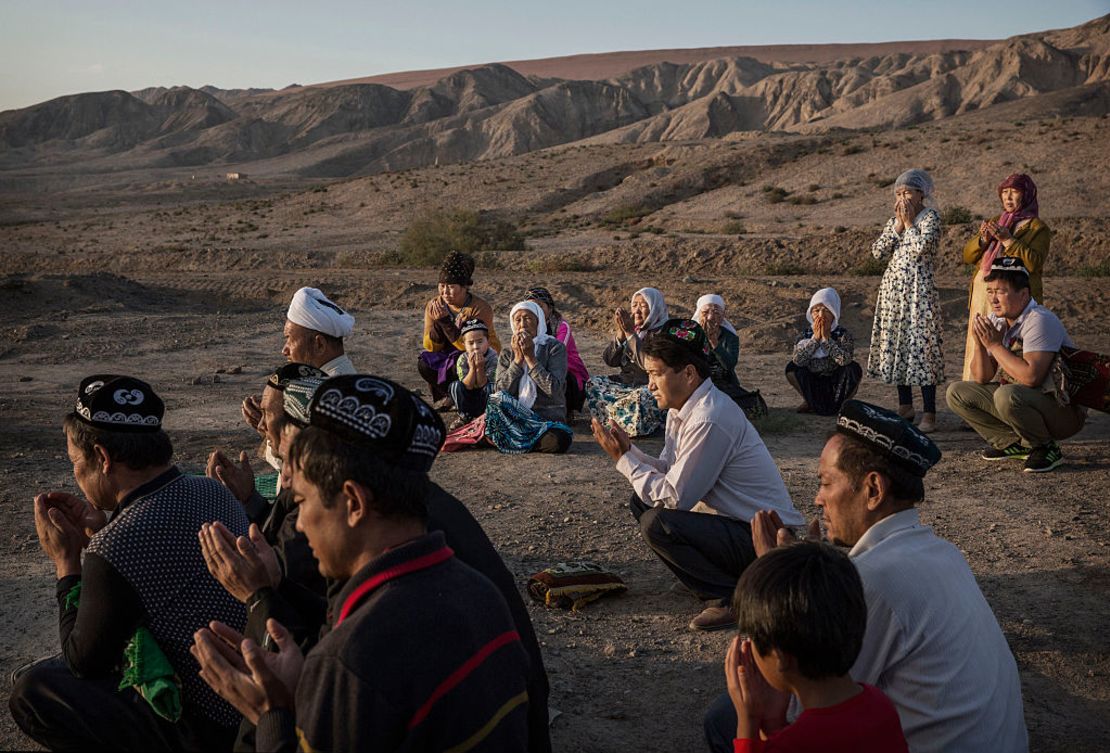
{"points": [[572, 585]]}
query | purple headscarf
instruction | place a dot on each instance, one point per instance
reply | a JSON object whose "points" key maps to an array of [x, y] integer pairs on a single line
{"points": [[1009, 220]]}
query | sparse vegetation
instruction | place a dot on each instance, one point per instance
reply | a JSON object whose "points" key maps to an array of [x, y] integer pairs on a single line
{"points": [[805, 200], [783, 269], [853, 149], [869, 267], [956, 215], [883, 182], [734, 228], [775, 194], [626, 214], [1099, 269], [429, 237]]}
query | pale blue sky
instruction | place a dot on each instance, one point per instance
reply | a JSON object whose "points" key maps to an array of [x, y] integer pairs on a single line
{"points": [[54, 47]]}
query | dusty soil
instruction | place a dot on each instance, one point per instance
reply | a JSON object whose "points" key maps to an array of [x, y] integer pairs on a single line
{"points": [[626, 674]]}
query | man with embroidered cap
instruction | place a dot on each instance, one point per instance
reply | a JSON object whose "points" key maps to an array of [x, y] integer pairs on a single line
{"points": [[1013, 399], [421, 653], [314, 332], [140, 592], [695, 502], [932, 643]]}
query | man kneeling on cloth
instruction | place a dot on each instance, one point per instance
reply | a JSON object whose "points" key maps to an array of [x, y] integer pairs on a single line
{"points": [[140, 593], [421, 652], [713, 460]]}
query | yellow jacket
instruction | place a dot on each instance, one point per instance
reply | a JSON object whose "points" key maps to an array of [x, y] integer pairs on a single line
{"points": [[1031, 239]]}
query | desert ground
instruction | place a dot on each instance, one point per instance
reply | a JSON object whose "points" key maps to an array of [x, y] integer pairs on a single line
{"points": [[180, 278]]}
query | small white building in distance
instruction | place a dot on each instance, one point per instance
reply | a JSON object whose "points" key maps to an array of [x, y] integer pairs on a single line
{"points": [[232, 177]]}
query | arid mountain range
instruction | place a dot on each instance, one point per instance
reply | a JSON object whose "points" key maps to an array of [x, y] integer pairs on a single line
{"points": [[359, 127]]}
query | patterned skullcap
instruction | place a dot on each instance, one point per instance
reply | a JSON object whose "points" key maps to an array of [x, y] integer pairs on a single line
{"points": [[457, 269], [287, 372], [888, 432], [297, 397], [688, 334], [473, 325], [119, 403], [1007, 264], [381, 415]]}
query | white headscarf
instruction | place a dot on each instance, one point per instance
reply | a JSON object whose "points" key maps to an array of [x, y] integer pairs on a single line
{"points": [[917, 179], [313, 310], [527, 393], [712, 299], [831, 299], [657, 310]]}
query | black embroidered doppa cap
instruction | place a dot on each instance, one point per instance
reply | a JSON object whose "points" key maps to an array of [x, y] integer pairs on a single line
{"points": [[119, 403], [377, 413], [885, 430], [287, 372]]}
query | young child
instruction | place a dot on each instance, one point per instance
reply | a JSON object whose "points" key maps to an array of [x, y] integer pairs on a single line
{"points": [[476, 369], [803, 612]]}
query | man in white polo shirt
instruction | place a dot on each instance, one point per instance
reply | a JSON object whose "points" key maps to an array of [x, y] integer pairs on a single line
{"points": [[696, 500], [932, 643], [1013, 401]]}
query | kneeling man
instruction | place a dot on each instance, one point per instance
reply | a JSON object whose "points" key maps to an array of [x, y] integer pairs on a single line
{"points": [[1013, 400], [421, 653], [713, 460]]}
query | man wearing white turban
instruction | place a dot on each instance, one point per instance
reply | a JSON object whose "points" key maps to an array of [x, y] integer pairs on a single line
{"points": [[314, 332]]}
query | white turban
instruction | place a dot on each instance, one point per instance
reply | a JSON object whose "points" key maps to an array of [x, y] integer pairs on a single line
{"points": [[311, 309], [712, 299]]}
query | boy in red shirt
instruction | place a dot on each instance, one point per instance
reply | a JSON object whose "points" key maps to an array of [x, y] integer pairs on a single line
{"points": [[803, 613]]}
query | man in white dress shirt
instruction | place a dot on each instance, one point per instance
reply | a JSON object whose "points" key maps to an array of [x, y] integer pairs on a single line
{"points": [[695, 502], [932, 643]]}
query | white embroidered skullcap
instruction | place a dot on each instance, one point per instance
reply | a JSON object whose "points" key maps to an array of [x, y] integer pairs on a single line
{"points": [[313, 310]]}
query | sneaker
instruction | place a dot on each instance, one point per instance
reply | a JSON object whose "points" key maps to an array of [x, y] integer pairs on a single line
{"points": [[714, 618], [1044, 458], [1016, 451]]}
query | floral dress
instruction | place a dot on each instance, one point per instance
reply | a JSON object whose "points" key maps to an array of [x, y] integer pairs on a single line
{"points": [[906, 335]]}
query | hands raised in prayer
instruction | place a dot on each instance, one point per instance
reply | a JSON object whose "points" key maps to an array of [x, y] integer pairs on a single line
{"points": [[252, 411], [613, 439], [242, 566], [439, 309], [985, 332], [64, 524], [759, 706], [622, 323], [905, 211], [237, 477], [523, 349], [768, 532], [993, 230], [245, 675], [822, 326]]}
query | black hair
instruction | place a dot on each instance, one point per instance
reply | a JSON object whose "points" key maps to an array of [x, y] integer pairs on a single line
{"points": [[673, 354], [137, 450], [328, 461], [1016, 280], [805, 600], [858, 458]]}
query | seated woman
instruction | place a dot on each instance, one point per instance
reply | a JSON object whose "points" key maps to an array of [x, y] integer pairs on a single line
{"points": [[624, 398], [528, 410], [558, 328], [1017, 231], [443, 318], [709, 312], [822, 369], [476, 370]]}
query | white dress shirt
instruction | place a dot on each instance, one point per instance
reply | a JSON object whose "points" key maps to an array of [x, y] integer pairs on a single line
{"points": [[713, 455], [339, 366], [933, 644]]}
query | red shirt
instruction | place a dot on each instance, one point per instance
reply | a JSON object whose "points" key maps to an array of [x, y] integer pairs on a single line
{"points": [[866, 723]]}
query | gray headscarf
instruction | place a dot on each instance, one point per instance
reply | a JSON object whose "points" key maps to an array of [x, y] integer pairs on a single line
{"points": [[917, 179]]}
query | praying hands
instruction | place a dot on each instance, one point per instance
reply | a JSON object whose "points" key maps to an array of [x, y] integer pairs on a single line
{"points": [[237, 477], [622, 323], [251, 679], [64, 524], [613, 439], [242, 566], [822, 326], [759, 706], [985, 332]]}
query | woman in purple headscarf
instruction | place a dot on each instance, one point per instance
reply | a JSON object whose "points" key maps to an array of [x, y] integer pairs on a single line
{"points": [[1019, 232]]}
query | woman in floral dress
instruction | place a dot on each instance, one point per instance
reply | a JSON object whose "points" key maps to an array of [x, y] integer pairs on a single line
{"points": [[906, 336]]}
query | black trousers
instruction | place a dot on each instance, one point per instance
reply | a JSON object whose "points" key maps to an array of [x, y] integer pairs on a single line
{"points": [[61, 711], [706, 552], [719, 724]]}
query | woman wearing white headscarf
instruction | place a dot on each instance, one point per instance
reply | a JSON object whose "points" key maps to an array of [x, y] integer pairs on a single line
{"points": [[528, 410], [906, 335], [624, 398], [709, 312], [822, 369]]}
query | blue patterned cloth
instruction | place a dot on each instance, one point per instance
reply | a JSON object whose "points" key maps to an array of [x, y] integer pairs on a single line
{"points": [[632, 408], [512, 428]]}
